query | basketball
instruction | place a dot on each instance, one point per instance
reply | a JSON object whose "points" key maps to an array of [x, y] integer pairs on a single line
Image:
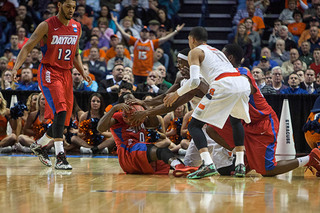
{"points": [[127, 114]]}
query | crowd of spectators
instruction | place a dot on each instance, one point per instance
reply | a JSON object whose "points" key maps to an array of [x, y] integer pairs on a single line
{"points": [[287, 62]]}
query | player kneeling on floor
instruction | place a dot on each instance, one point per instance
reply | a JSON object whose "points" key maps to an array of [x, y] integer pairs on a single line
{"points": [[135, 155]]}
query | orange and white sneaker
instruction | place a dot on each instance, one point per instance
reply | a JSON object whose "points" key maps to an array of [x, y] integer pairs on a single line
{"points": [[182, 170], [315, 160]]}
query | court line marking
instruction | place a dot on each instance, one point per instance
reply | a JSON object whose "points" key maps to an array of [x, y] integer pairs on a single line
{"points": [[246, 193]]}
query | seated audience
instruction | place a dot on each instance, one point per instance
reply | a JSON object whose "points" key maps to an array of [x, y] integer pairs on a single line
{"points": [[152, 85], [277, 79], [293, 86], [287, 66], [305, 54], [309, 84], [97, 67], [6, 140], [79, 84], [89, 139], [259, 77], [112, 84], [279, 53], [26, 82], [119, 56], [316, 64]]}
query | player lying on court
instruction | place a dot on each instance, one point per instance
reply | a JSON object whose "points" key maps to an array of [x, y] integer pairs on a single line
{"points": [[264, 163], [135, 155]]}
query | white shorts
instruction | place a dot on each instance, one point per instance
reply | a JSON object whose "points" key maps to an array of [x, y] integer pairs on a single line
{"points": [[230, 97], [220, 156]]}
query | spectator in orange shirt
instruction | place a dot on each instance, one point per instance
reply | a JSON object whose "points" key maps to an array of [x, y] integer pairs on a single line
{"points": [[114, 40], [81, 9], [258, 24], [305, 35], [298, 26], [94, 41], [143, 50]]}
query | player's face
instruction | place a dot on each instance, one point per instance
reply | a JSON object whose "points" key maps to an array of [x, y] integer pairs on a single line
{"points": [[191, 42], [67, 9], [95, 103]]}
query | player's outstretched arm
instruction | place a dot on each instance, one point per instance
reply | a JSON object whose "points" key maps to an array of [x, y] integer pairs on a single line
{"points": [[77, 62], [107, 121], [124, 34], [138, 116], [170, 35], [34, 39]]}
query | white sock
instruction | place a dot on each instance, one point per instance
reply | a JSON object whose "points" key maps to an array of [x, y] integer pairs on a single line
{"points": [[205, 156], [239, 158], [58, 145], [174, 163], [44, 140], [303, 160]]}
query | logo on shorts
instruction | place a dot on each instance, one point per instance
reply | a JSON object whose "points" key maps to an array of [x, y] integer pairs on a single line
{"points": [[48, 78]]}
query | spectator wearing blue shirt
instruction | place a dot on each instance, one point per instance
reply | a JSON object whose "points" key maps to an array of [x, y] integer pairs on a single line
{"points": [[13, 45], [26, 82], [79, 84], [293, 88], [266, 53], [94, 84], [277, 79]]}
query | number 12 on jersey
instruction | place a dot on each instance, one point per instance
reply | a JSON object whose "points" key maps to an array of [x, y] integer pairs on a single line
{"points": [[66, 56]]}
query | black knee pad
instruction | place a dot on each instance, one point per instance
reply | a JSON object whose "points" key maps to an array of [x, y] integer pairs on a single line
{"points": [[58, 124], [164, 154]]}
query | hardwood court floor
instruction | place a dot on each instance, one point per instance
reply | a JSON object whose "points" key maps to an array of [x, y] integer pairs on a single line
{"points": [[99, 185]]}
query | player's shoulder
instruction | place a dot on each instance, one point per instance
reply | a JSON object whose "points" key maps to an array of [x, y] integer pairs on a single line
{"points": [[74, 22]]}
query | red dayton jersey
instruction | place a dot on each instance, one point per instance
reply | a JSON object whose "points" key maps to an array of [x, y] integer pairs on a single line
{"points": [[132, 151], [61, 46], [258, 107]]}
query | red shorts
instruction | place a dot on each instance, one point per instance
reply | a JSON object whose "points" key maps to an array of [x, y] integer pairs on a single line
{"points": [[260, 142], [57, 87], [134, 160]]}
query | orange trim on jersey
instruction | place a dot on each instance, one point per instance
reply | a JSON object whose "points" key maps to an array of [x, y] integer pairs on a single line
{"points": [[227, 74], [201, 106]]}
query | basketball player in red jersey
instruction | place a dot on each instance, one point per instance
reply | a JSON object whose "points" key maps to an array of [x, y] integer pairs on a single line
{"points": [[135, 155], [59, 37]]}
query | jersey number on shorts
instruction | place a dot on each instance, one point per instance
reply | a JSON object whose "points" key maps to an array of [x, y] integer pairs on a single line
{"points": [[66, 56], [142, 55]]}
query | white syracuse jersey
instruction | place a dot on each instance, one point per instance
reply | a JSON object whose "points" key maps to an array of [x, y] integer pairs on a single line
{"points": [[214, 63]]}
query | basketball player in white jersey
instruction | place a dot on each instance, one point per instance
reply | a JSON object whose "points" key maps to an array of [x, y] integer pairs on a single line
{"points": [[228, 95], [221, 157]]}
